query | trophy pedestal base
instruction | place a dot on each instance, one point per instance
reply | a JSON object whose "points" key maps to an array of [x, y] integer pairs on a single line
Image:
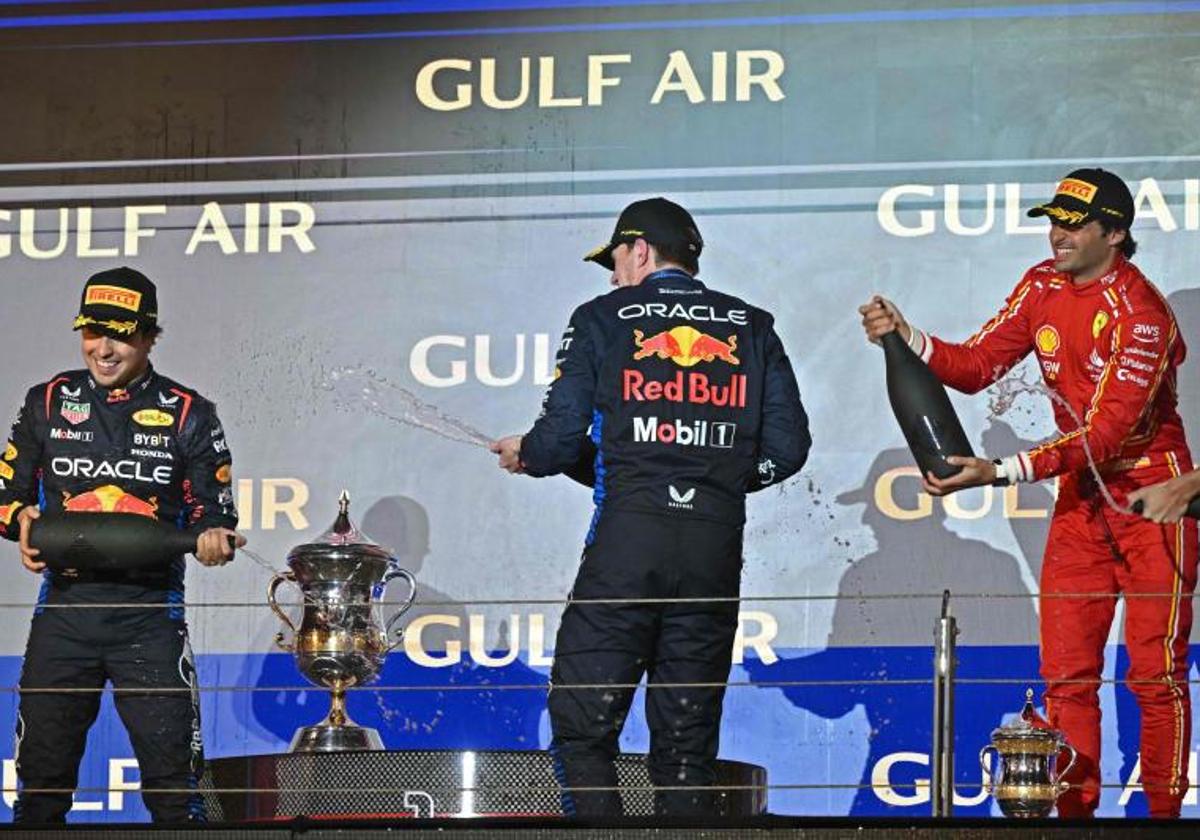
{"points": [[437, 783], [330, 738]]}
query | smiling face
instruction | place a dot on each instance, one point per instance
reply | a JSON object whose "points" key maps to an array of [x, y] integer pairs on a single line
{"points": [[1084, 251], [115, 362]]}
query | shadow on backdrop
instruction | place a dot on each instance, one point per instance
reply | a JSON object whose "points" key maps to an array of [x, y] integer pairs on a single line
{"points": [[874, 639], [455, 704]]}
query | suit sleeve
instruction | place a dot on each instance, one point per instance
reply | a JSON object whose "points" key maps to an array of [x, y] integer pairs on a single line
{"points": [[990, 353], [558, 440], [784, 439], [1145, 347], [21, 463], [208, 479], [583, 470]]}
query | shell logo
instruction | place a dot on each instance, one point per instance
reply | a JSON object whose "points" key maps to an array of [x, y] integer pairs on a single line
{"points": [[1099, 322], [1047, 340]]}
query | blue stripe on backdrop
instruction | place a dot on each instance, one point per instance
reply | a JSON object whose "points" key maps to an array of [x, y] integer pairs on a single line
{"points": [[847, 735], [404, 7]]}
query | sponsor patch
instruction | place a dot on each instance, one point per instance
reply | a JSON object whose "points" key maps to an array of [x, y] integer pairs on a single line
{"points": [[10, 451], [159, 439], [1130, 362], [222, 474], [1138, 351], [1099, 322], [6, 471], [75, 412], [153, 417], [1047, 340], [681, 499], [1075, 188], [695, 312], [127, 470], [110, 499], [683, 433], [71, 434], [7, 512], [1147, 333], [697, 389], [113, 296], [1125, 375], [685, 346]]}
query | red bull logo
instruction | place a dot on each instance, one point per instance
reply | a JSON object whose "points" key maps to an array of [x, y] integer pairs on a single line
{"points": [[8, 511], [685, 346], [696, 388], [110, 499]]}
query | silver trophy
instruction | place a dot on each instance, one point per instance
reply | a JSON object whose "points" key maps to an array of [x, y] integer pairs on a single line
{"points": [[342, 639], [1023, 777]]}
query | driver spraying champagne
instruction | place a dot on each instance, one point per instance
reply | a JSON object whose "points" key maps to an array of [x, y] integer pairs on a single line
{"points": [[1108, 348], [116, 437]]}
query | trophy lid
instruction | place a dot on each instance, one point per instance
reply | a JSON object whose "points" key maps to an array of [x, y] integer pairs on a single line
{"points": [[1030, 729], [341, 542]]}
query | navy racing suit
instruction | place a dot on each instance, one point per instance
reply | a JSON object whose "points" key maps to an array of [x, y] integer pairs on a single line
{"points": [[153, 448], [691, 404]]}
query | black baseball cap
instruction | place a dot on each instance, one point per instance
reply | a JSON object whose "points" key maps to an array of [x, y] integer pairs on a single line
{"points": [[1088, 194], [659, 222], [118, 302]]}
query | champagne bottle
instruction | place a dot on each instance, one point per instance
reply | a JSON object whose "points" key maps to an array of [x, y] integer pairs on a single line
{"points": [[1193, 508], [922, 409], [107, 541]]}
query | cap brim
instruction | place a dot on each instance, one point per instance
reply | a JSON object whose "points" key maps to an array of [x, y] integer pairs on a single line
{"points": [[1060, 214], [602, 255], [114, 327]]}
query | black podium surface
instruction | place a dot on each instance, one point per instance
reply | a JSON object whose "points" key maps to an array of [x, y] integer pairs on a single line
{"points": [[433, 783]]}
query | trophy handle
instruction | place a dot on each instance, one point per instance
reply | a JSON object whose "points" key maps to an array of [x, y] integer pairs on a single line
{"points": [[1059, 781], [281, 577], [987, 772], [408, 602]]}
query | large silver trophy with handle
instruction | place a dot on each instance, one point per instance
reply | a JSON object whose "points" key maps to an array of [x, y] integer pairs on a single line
{"points": [[1022, 775], [341, 639]]}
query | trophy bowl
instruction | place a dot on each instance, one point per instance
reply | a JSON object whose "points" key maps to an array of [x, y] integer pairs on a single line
{"points": [[341, 639], [1023, 776]]}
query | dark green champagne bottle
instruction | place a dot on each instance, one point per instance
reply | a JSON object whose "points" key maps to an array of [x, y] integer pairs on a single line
{"points": [[107, 541], [922, 409]]}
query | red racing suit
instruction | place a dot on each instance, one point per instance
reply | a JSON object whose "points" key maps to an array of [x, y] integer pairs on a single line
{"points": [[1109, 350]]}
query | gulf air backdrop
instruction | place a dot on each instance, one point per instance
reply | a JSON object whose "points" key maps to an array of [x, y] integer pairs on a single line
{"points": [[366, 222]]}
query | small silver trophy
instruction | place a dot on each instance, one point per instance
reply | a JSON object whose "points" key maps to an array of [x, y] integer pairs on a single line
{"points": [[342, 640], [1022, 776]]}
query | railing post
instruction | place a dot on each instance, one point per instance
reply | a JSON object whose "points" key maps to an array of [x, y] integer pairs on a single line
{"points": [[942, 757]]}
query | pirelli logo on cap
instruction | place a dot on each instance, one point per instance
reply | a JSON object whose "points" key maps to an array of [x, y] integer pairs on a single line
{"points": [[113, 296], [1075, 188]]}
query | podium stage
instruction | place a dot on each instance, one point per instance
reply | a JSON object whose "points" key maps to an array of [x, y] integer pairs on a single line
{"points": [[431, 784]]}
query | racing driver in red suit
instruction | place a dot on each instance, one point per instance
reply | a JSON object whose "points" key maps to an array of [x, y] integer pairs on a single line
{"points": [[1108, 346]]}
